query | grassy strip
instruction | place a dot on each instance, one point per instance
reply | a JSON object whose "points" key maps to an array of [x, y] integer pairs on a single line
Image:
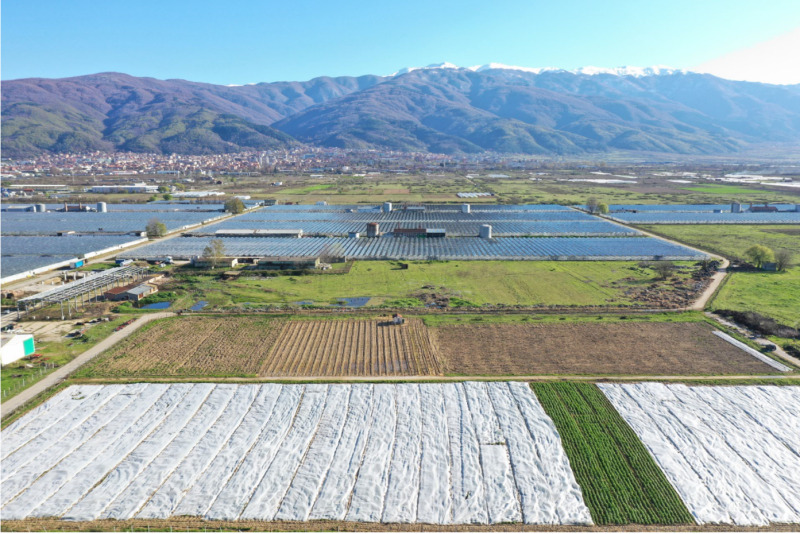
{"points": [[620, 481]]}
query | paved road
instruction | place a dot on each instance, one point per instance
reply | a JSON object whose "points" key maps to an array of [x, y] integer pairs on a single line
{"points": [[62, 372]]}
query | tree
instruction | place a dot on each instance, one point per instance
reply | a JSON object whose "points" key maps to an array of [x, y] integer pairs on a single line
{"points": [[155, 228], [759, 255], [166, 196], [214, 252], [234, 205], [663, 268], [783, 259], [602, 207], [592, 204], [163, 189], [153, 198]]}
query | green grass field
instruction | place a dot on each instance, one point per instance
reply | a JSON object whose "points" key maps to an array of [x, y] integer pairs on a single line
{"points": [[558, 283], [776, 295], [731, 240], [621, 483]]}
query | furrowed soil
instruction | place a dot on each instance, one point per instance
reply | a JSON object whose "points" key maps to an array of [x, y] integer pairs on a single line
{"points": [[588, 348], [364, 347], [191, 346]]}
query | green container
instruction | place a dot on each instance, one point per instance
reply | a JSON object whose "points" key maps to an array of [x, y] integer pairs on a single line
{"points": [[28, 346]]}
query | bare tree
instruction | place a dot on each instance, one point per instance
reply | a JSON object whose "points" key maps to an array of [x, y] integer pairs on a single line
{"points": [[663, 268], [592, 204], [214, 252], [783, 259]]}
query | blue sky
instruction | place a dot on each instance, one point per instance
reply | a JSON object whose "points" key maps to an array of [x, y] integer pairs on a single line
{"points": [[236, 42]]}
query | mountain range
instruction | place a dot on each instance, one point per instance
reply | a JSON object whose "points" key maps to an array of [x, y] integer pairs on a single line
{"points": [[440, 108]]}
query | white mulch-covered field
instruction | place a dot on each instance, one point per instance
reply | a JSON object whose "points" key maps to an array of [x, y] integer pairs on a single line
{"points": [[429, 453], [731, 452]]}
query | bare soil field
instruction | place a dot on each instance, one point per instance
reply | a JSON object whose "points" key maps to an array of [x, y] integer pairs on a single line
{"points": [[359, 347], [191, 346], [639, 348]]}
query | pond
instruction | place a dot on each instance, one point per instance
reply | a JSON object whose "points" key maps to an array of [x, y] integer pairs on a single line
{"points": [[157, 306], [197, 306], [353, 302]]}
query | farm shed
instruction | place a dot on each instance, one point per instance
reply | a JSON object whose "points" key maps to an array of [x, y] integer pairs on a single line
{"points": [[15, 347], [134, 292], [288, 262], [207, 263]]}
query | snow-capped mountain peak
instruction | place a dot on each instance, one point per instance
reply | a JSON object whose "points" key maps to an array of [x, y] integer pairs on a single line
{"points": [[637, 72], [444, 65]]}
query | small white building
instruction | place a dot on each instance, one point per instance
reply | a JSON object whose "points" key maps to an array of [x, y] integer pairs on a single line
{"points": [[14, 347]]}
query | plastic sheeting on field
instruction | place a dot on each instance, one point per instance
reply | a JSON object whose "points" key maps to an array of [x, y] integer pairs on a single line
{"points": [[731, 452], [471, 453]]}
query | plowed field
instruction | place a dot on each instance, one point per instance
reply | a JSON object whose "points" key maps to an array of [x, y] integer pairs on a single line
{"points": [[190, 346], [637, 348], [352, 348]]}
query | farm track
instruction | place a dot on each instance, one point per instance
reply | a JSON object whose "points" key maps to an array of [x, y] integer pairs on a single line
{"points": [[360, 347]]}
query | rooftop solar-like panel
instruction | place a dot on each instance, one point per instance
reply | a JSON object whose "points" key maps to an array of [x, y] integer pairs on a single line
{"points": [[455, 248]]}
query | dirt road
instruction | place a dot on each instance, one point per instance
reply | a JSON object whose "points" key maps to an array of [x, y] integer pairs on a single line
{"points": [[61, 373]]}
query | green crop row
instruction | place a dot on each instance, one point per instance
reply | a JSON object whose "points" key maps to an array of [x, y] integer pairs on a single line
{"points": [[621, 483]]}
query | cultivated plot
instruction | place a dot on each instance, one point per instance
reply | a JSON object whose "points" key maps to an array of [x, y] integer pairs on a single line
{"points": [[190, 346], [352, 348], [392, 453], [732, 453], [592, 348]]}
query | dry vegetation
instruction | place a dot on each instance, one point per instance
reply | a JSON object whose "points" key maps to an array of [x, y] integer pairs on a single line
{"points": [[191, 346], [364, 347], [637, 348]]}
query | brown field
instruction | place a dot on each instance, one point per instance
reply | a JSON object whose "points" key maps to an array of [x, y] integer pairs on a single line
{"points": [[399, 191], [636, 348], [358, 347], [191, 346]]}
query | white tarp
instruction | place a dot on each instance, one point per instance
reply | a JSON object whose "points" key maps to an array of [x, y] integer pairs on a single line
{"points": [[446, 454], [731, 452]]}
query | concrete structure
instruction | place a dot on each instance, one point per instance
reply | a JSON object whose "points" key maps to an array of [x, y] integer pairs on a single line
{"points": [[465, 208], [373, 230], [736, 207], [435, 232], [355, 235], [387, 207], [102, 207], [485, 231], [14, 347], [40, 208]]}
